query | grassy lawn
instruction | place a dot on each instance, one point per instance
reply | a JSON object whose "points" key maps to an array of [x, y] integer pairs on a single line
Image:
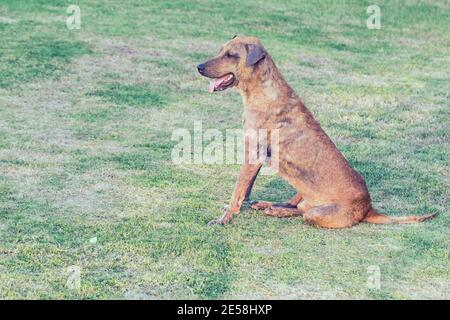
{"points": [[86, 177]]}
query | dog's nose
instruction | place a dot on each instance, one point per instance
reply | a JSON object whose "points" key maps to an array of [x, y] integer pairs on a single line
{"points": [[201, 67]]}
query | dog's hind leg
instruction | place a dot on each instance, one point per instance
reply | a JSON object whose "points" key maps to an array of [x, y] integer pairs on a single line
{"points": [[296, 199], [332, 216], [283, 212], [262, 205]]}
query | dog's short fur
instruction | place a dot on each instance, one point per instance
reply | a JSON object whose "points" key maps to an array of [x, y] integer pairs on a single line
{"points": [[331, 193]]}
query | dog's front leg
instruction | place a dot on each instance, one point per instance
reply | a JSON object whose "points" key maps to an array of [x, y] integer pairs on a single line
{"points": [[250, 186], [246, 179]]}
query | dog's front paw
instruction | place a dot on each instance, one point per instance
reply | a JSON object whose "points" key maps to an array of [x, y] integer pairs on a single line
{"points": [[225, 219], [219, 221]]}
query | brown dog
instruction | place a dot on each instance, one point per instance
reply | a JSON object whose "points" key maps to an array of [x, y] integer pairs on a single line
{"points": [[333, 194]]}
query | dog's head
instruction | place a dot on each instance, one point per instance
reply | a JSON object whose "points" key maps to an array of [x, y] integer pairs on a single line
{"points": [[235, 62]]}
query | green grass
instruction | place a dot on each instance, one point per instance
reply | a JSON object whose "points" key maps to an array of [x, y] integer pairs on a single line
{"points": [[131, 95], [25, 59], [86, 119]]}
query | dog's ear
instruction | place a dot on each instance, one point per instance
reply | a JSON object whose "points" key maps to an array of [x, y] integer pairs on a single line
{"points": [[255, 53]]}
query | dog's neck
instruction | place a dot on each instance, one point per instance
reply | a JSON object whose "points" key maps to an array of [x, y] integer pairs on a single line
{"points": [[265, 87]]}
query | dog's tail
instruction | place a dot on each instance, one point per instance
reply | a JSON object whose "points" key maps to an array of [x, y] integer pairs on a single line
{"points": [[377, 218]]}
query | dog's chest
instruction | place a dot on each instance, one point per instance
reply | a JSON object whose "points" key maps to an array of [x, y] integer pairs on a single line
{"points": [[257, 120], [252, 119]]}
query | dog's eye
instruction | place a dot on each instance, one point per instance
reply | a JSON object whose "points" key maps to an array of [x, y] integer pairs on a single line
{"points": [[232, 55]]}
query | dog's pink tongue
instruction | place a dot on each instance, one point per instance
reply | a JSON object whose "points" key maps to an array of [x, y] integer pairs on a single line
{"points": [[215, 83], [212, 86]]}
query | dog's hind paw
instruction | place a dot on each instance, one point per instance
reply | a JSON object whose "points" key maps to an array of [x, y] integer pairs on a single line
{"points": [[283, 212], [263, 205], [260, 205]]}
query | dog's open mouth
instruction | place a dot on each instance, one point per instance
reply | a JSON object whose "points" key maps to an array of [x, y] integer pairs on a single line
{"points": [[222, 83]]}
